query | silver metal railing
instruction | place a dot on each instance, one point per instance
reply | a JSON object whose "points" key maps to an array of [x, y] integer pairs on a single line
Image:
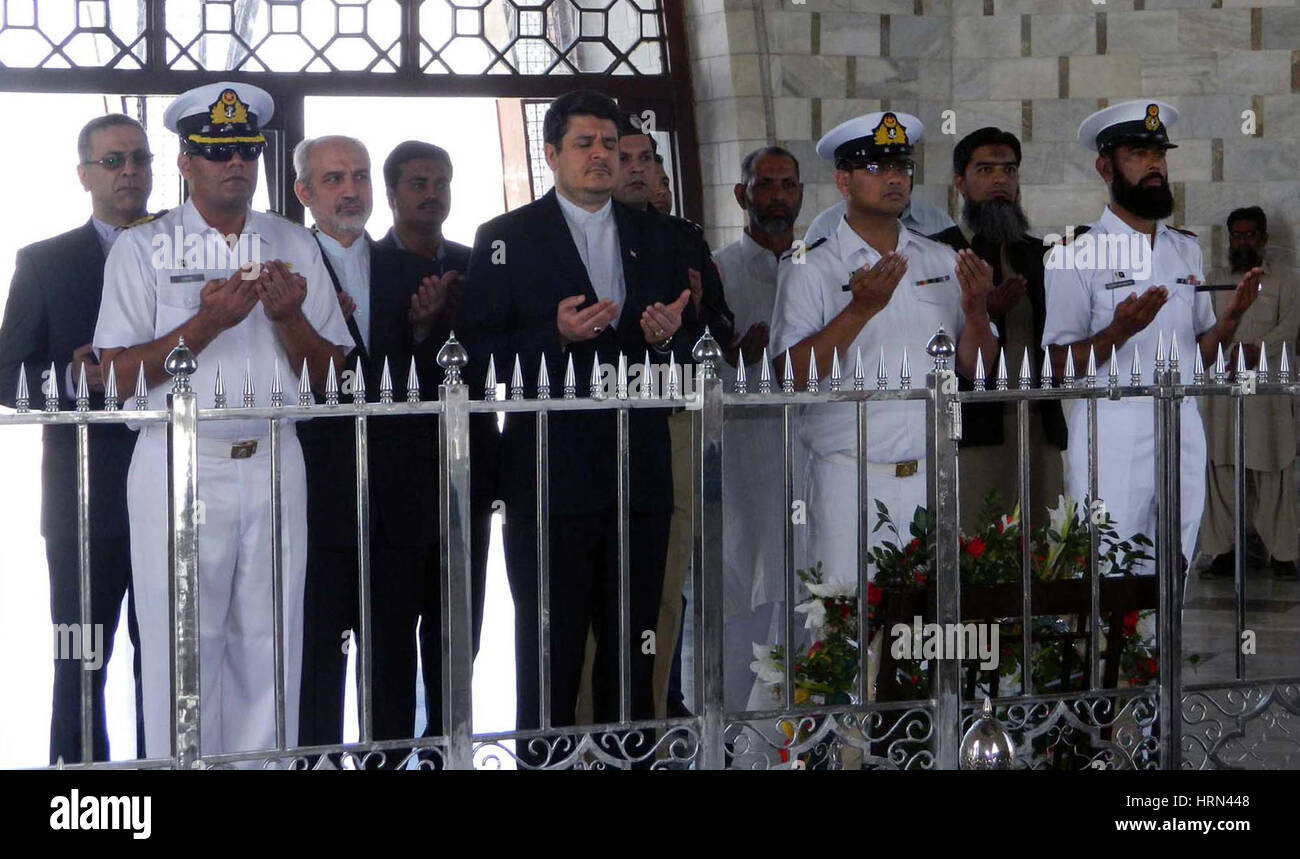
{"points": [[709, 739]]}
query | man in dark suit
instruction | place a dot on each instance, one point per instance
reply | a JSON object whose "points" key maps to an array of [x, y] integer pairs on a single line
{"points": [[576, 274], [638, 174], [417, 179], [986, 172], [50, 318], [397, 307]]}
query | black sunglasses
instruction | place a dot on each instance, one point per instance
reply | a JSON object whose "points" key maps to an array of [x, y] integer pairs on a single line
{"points": [[116, 160], [225, 151]]}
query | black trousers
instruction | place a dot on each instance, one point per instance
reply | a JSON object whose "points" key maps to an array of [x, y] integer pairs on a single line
{"points": [[584, 594], [405, 593], [110, 581]]}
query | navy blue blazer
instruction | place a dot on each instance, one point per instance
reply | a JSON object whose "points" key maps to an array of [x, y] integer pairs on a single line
{"points": [[52, 307], [509, 308]]}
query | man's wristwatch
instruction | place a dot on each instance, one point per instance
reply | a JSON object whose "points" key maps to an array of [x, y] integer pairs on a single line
{"points": [[664, 347]]}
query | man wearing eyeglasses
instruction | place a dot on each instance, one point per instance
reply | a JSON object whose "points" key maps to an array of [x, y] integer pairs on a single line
{"points": [[873, 285], [251, 297], [48, 321]]}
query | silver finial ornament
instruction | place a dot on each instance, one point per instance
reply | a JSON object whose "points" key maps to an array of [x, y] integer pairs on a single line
{"points": [[620, 382], [811, 385], [452, 357], [765, 374], [1001, 382], [543, 381], [52, 390], [986, 744], [111, 401], [741, 385], [1262, 371], [83, 390], [1026, 380], [1198, 368], [980, 381], [882, 376], [859, 373], [385, 383], [219, 390], [517, 380], [141, 389], [180, 364], [1090, 374], [570, 380], [905, 372], [707, 353], [674, 383], [1135, 372], [304, 385], [593, 384], [277, 392], [358, 384], [490, 383], [1284, 365], [834, 383], [412, 383], [1220, 367], [331, 384], [1045, 373], [787, 376], [647, 378], [940, 348], [1069, 367], [250, 395], [1113, 379], [22, 400]]}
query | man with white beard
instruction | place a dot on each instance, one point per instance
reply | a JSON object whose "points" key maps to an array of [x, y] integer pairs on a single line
{"points": [[771, 194]]}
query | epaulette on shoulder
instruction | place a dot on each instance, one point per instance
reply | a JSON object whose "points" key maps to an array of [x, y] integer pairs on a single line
{"points": [[1184, 232], [788, 254], [146, 219], [1071, 236]]}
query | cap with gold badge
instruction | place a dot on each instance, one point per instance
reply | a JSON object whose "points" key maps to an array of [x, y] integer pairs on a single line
{"points": [[216, 119], [882, 134], [1140, 122]]}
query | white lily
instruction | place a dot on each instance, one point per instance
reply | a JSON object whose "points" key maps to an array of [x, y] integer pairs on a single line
{"points": [[831, 589], [769, 671], [1059, 519], [815, 609], [1012, 520]]}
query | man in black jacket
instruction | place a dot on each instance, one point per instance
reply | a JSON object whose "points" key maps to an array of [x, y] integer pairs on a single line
{"points": [[50, 318], [578, 275], [417, 179], [638, 174], [397, 307], [985, 167]]}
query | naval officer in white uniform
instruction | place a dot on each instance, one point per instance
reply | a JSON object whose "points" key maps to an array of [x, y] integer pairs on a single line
{"points": [[268, 316], [873, 283], [1107, 298]]}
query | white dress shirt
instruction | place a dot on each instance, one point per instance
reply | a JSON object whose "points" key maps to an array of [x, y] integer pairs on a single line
{"points": [[596, 235], [143, 301], [351, 266]]}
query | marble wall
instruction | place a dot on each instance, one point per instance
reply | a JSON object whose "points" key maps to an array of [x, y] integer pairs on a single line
{"points": [[786, 71]]}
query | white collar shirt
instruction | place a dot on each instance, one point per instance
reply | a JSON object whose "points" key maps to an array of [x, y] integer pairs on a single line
{"points": [[351, 266], [1087, 279], [106, 233], [748, 272], [596, 236], [812, 293], [152, 281]]}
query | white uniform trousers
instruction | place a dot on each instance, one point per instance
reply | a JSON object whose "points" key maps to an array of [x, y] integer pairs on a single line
{"points": [[236, 642], [833, 510], [1126, 467]]}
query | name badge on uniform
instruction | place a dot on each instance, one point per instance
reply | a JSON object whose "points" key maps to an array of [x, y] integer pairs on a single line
{"points": [[196, 277], [1190, 279], [940, 279], [1120, 281]]}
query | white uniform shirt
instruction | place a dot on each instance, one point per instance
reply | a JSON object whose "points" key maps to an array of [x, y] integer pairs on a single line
{"points": [[352, 267], [142, 302], [1081, 300], [812, 293], [596, 235], [921, 218], [748, 273]]}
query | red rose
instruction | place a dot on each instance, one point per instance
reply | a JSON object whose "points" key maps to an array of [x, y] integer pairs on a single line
{"points": [[1152, 668], [844, 610], [817, 645], [919, 578], [873, 594], [1130, 623], [975, 547]]}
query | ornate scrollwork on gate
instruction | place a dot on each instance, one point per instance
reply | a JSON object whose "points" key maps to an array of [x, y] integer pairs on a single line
{"points": [[1242, 726]]}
